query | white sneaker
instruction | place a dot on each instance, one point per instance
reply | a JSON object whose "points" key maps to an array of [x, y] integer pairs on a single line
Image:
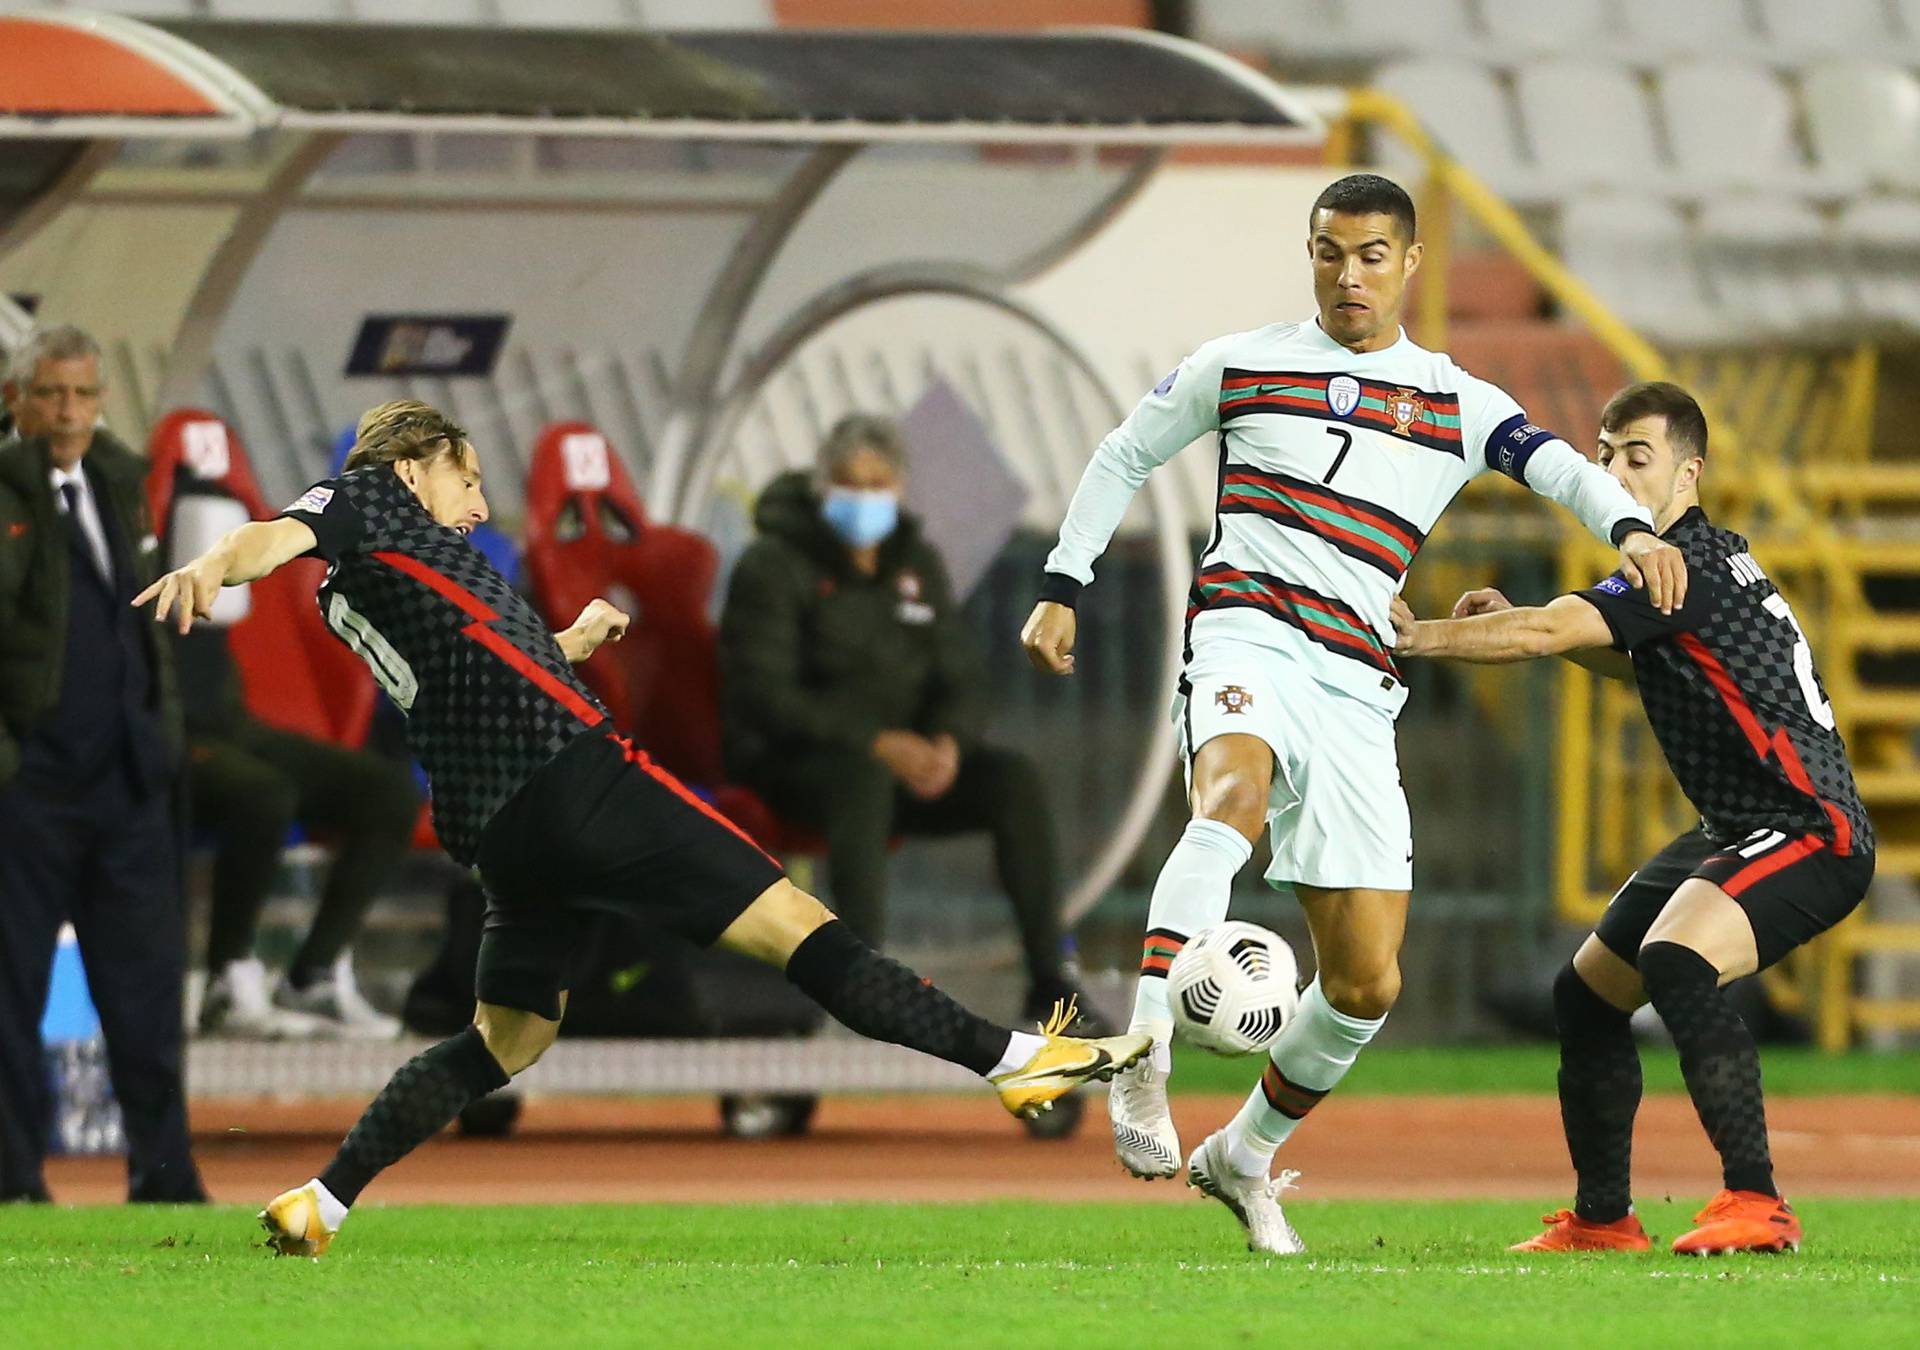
{"points": [[1144, 1138], [1255, 1201], [335, 1001], [236, 1003]]}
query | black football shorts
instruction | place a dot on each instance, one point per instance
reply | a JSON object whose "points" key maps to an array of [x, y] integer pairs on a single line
{"points": [[600, 828], [1793, 888]]}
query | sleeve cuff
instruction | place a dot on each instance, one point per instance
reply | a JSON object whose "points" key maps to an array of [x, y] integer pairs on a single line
{"points": [[1606, 613], [1060, 589], [1626, 526]]}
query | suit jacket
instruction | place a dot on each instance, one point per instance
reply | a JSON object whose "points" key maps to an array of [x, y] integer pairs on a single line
{"points": [[36, 584]]}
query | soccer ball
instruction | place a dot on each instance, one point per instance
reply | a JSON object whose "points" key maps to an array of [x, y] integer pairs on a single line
{"points": [[1233, 988]]}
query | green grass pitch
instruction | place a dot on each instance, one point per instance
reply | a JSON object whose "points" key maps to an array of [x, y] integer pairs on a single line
{"points": [[935, 1275], [1454, 1070]]}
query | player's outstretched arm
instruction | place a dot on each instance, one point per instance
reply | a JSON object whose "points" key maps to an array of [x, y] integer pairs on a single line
{"points": [[599, 622], [1606, 662], [1560, 628], [244, 554], [1175, 413]]}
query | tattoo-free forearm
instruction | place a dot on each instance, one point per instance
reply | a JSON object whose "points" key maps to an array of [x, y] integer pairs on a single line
{"points": [[251, 551], [1488, 639]]}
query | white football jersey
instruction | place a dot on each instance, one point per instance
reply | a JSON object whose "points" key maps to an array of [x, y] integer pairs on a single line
{"points": [[1334, 465]]}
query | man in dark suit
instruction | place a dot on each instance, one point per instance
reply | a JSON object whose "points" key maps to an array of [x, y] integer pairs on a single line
{"points": [[89, 754]]}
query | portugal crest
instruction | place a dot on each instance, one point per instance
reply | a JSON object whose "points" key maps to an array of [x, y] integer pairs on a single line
{"points": [[1405, 408], [1343, 395], [1233, 698]]}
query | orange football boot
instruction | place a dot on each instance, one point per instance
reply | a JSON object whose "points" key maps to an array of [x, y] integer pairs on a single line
{"points": [[1742, 1221], [1568, 1232]]}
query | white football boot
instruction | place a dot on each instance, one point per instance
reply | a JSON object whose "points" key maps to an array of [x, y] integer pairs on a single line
{"points": [[1144, 1138], [335, 1000], [236, 1003], [1255, 1201]]}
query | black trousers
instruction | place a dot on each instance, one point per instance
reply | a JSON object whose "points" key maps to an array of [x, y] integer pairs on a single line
{"points": [[249, 785], [856, 805], [105, 858]]}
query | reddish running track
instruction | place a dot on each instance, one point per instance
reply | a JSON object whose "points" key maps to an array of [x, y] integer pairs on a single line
{"points": [[947, 1148]]}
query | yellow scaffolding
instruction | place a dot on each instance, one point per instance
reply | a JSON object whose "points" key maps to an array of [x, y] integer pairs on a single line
{"points": [[1773, 412]]}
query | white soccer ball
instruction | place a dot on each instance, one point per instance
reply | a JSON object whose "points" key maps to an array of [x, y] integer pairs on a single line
{"points": [[1234, 988]]}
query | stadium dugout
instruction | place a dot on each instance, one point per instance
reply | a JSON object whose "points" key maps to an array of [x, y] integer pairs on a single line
{"points": [[942, 133]]}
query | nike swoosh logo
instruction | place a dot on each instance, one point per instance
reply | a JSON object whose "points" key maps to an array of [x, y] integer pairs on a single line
{"points": [[1100, 1061]]}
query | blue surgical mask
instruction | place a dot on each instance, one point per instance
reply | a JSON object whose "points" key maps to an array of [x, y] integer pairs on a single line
{"points": [[861, 517]]}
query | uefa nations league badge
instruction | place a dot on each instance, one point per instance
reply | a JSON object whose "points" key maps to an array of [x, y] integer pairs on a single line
{"points": [[1343, 394]]}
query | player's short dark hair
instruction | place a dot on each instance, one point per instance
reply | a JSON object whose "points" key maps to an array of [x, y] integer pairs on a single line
{"points": [[1367, 194], [1686, 424]]}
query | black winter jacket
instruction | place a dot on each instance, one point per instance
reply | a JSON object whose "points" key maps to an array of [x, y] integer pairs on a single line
{"points": [[814, 654]]}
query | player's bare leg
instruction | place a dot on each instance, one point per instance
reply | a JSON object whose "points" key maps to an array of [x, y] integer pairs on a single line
{"points": [[883, 1000], [423, 1095], [1232, 780], [1701, 940], [1357, 934]]}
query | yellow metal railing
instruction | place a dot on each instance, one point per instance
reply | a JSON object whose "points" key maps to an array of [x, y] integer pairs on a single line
{"points": [[1615, 804]]}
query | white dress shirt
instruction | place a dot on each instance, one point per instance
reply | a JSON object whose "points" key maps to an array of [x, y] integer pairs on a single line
{"points": [[90, 526]]}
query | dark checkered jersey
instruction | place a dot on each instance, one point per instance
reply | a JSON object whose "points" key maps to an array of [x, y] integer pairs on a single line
{"points": [[489, 696], [1731, 692]]}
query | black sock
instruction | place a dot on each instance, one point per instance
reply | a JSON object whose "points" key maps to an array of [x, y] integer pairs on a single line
{"points": [[1718, 1058], [884, 1001], [422, 1096], [1599, 1096]]}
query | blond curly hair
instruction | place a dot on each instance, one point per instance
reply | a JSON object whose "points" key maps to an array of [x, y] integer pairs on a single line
{"points": [[405, 429]]}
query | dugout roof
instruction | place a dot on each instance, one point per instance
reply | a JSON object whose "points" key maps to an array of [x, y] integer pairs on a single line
{"points": [[62, 73]]}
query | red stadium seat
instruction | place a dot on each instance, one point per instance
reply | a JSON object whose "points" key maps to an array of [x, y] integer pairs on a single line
{"points": [[588, 536]]}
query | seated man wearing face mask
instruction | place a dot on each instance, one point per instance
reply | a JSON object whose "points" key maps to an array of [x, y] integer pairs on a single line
{"points": [[852, 695]]}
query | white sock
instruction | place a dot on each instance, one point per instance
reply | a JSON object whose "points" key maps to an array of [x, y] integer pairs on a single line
{"points": [[1194, 886], [1310, 1056], [1021, 1047], [332, 1212]]}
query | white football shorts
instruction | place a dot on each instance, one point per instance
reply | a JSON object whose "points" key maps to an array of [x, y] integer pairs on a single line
{"points": [[1338, 812]]}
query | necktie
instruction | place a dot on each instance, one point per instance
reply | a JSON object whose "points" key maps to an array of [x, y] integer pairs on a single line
{"points": [[70, 493]]}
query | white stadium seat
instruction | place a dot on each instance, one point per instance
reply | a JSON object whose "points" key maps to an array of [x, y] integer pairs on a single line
{"points": [[1340, 29], [1668, 28], [1772, 267], [1529, 27], [1306, 27], [1635, 255], [1731, 126], [1801, 28], [1466, 110], [1589, 125], [1864, 119], [1881, 240]]}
